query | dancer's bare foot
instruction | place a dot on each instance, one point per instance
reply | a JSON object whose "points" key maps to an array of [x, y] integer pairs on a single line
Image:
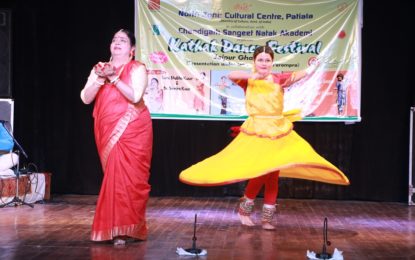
{"points": [[268, 212], [119, 241], [245, 209], [267, 226], [246, 220]]}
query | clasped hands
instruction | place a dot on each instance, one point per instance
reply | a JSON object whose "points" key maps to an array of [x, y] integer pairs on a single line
{"points": [[104, 69], [107, 72]]}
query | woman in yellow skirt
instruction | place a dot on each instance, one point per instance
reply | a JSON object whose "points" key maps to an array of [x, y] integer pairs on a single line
{"points": [[267, 147]]}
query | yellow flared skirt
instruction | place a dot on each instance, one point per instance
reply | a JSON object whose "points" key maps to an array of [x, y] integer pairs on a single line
{"points": [[250, 156]]}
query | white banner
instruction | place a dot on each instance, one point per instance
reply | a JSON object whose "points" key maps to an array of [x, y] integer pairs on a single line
{"points": [[190, 46]]}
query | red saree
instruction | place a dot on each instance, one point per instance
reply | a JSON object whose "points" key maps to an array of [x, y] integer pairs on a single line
{"points": [[124, 136]]}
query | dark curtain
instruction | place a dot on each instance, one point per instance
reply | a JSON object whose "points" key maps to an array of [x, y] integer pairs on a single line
{"points": [[56, 43]]}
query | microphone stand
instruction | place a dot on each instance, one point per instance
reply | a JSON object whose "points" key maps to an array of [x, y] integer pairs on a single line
{"points": [[324, 254], [194, 249], [16, 200]]}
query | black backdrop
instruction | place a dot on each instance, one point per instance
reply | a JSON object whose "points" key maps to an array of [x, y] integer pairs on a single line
{"points": [[55, 44]]}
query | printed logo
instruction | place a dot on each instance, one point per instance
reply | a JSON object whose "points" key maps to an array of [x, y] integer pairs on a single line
{"points": [[158, 57], [156, 30], [153, 5]]}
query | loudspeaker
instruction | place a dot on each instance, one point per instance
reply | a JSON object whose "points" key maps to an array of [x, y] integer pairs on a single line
{"points": [[5, 53], [7, 112]]}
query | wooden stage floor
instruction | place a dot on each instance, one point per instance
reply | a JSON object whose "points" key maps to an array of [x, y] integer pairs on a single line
{"points": [[60, 230]]}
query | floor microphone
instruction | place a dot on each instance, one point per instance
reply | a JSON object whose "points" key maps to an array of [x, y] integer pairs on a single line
{"points": [[324, 254]]}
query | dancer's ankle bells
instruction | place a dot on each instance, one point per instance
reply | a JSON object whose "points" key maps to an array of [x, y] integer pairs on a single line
{"points": [[246, 207], [268, 212]]}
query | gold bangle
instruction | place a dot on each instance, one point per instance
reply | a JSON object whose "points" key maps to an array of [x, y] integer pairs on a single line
{"points": [[114, 81]]}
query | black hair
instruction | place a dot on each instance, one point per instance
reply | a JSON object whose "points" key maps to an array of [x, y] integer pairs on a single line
{"points": [[130, 36], [265, 49]]}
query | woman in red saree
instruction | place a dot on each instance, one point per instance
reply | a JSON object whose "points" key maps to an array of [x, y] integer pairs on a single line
{"points": [[124, 136]]}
